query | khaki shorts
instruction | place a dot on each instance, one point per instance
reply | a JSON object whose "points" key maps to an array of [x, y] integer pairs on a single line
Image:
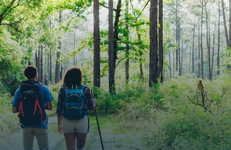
{"points": [[75, 126], [41, 136]]}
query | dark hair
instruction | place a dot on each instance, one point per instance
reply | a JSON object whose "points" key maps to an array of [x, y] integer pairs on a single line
{"points": [[30, 72], [73, 77]]}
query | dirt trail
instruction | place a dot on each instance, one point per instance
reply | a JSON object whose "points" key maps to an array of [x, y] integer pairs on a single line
{"points": [[112, 140]]}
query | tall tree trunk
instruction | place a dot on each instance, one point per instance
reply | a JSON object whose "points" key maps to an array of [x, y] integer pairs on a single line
{"points": [[229, 23], [116, 32], [36, 59], [48, 67], [190, 59], [208, 41], [170, 68], [199, 55], [213, 54], [218, 38], [229, 66], [181, 58], [177, 40], [194, 26], [161, 56], [111, 50], [153, 68], [179, 50], [50, 76], [96, 45], [224, 20], [50, 63], [127, 45], [202, 65], [41, 64], [57, 68]]}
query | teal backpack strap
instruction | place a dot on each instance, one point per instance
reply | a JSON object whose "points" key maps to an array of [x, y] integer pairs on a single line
{"points": [[81, 86]]}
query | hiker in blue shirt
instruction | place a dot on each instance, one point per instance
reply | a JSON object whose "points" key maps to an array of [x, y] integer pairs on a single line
{"points": [[31, 100]]}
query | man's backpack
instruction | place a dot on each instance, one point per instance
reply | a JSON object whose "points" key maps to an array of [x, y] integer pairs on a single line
{"points": [[74, 103], [31, 110]]}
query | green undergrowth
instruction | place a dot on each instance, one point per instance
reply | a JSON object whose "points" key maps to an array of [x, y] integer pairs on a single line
{"points": [[175, 114], [8, 121]]}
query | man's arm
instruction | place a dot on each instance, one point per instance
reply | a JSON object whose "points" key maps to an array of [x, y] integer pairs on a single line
{"points": [[15, 109], [48, 105], [15, 104]]}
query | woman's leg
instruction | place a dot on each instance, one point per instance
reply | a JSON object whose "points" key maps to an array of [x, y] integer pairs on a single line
{"points": [[81, 139], [70, 140]]}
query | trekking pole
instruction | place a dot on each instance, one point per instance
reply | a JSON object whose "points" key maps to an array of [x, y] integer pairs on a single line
{"points": [[99, 129]]}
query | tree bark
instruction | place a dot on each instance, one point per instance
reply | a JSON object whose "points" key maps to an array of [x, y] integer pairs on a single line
{"points": [[127, 45], [201, 48], [224, 20], [41, 64], [96, 45], [208, 42], [199, 55], [194, 26], [161, 56], [177, 40], [153, 68], [111, 50], [170, 68], [116, 32], [218, 38], [57, 68], [213, 56]]}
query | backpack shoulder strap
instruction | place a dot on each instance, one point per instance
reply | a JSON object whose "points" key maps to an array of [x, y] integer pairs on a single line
{"points": [[81, 86]]}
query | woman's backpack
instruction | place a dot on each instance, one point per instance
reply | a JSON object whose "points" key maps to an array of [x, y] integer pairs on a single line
{"points": [[74, 103], [31, 110]]}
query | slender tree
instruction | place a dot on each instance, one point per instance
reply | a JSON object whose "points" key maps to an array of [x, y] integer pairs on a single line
{"points": [[201, 44], [57, 67], [161, 56], [50, 71], [194, 26], [224, 20], [127, 44], [153, 68], [199, 54], [213, 53], [111, 50], [39, 62], [116, 30], [96, 45], [218, 38], [208, 40], [177, 40]]}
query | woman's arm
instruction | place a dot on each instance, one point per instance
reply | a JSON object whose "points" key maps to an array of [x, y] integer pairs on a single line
{"points": [[90, 101], [59, 109], [59, 118]]}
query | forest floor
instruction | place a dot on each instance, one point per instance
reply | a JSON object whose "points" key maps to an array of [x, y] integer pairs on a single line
{"points": [[115, 134]]}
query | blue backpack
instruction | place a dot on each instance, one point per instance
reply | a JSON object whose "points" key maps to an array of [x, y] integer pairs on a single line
{"points": [[74, 103]]}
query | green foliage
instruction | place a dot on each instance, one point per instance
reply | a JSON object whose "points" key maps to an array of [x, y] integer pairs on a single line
{"points": [[8, 120]]}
